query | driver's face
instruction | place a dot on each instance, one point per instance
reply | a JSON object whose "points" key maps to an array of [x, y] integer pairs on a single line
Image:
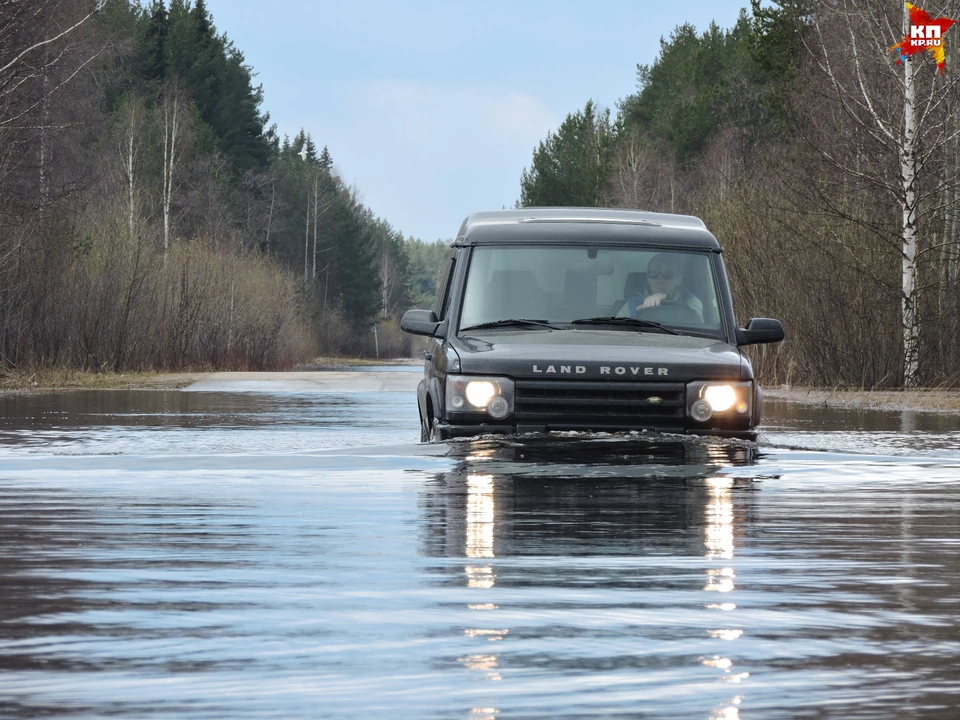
{"points": [[662, 279]]}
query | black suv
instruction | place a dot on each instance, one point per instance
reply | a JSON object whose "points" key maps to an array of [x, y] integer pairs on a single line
{"points": [[586, 319]]}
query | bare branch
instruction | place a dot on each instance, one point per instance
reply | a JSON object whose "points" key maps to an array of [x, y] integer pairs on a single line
{"points": [[887, 132], [40, 44], [64, 82]]}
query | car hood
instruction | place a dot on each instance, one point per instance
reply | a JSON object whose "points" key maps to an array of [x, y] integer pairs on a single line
{"points": [[589, 354]]}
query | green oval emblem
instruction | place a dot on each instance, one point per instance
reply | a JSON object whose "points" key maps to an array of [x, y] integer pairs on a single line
{"points": [[654, 400]]}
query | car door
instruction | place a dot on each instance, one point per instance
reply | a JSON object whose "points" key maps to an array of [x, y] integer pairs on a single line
{"points": [[439, 350]]}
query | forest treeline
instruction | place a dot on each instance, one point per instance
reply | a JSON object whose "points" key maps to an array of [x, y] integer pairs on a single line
{"points": [[151, 218], [828, 169]]}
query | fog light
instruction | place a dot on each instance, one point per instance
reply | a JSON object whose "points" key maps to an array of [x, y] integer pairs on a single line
{"points": [[701, 411], [479, 392], [720, 397], [498, 408]]}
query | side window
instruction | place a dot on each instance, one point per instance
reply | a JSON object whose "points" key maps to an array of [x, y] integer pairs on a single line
{"points": [[443, 298]]}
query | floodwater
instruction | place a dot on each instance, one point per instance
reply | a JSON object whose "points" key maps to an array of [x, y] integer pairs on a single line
{"points": [[279, 551]]}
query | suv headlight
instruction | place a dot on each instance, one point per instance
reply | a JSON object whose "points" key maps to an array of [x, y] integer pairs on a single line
{"points": [[706, 400], [480, 394]]}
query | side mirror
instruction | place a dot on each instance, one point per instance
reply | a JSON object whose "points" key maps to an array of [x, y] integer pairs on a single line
{"points": [[760, 330], [420, 322]]}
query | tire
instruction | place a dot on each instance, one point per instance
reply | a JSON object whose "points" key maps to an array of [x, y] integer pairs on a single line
{"points": [[431, 433]]}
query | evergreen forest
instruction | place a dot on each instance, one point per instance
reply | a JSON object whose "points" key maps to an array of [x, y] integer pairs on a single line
{"points": [[152, 218], [828, 169]]}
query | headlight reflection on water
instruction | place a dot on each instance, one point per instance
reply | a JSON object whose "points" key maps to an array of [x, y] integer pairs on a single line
{"points": [[481, 518], [718, 541], [719, 519]]}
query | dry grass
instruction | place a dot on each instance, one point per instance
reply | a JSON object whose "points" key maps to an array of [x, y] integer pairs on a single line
{"points": [[930, 399], [66, 379], [48, 379], [360, 362]]}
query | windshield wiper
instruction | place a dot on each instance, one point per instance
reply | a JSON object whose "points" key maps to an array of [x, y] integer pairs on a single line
{"points": [[625, 321], [508, 322]]}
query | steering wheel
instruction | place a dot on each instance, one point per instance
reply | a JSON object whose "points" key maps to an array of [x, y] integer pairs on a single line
{"points": [[671, 312]]}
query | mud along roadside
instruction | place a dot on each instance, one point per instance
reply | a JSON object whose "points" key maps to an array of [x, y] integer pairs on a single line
{"points": [[923, 400]]}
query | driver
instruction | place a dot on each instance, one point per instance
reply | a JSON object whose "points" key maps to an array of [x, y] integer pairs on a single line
{"points": [[663, 285]]}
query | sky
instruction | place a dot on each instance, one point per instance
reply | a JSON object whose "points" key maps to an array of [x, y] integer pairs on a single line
{"points": [[432, 110]]}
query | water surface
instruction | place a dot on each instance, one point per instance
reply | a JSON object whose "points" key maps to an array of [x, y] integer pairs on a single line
{"points": [[195, 555]]}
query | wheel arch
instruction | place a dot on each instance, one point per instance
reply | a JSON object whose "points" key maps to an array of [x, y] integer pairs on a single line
{"points": [[424, 403]]}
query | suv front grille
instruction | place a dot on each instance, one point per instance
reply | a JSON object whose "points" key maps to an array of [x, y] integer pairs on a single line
{"points": [[600, 405]]}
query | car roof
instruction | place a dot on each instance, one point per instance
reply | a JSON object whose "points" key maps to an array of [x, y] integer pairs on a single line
{"points": [[565, 225]]}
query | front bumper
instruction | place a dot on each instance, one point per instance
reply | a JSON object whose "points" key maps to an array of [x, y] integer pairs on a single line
{"points": [[448, 430]]}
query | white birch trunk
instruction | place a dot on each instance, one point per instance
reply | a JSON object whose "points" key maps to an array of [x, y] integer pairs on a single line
{"points": [[169, 162], [908, 172], [316, 221], [44, 120], [386, 286], [326, 284], [630, 168], [131, 178], [306, 242], [273, 197], [130, 182], [230, 317]]}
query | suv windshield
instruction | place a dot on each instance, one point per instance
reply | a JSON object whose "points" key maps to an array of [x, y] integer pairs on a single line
{"points": [[565, 284]]}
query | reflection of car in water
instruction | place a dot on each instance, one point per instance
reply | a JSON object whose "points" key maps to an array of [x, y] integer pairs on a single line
{"points": [[559, 496], [586, 319], [581, 556]]}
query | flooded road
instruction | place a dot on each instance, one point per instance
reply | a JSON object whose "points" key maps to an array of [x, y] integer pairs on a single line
{"points": [[293, 551]]}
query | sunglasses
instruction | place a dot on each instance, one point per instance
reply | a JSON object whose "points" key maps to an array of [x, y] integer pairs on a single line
{"points": [[658, 274]]}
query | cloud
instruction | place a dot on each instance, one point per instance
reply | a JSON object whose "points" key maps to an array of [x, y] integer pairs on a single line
{"points": [[521, 116], [454, 112]]}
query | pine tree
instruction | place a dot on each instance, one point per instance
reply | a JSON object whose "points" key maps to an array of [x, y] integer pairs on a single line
{"points": [[326, 162], [150, 55], [570, 167]]}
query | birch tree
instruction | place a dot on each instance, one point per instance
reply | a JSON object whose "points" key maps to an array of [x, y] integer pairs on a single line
{"points": [[171, 126], [908, 227], [306, 241], [645, 178], [39, 56], [129, 148], [896, 131], [42, 51]]}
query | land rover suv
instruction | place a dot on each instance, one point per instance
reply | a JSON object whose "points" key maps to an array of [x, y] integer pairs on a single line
{"points": [[586, 319]]}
